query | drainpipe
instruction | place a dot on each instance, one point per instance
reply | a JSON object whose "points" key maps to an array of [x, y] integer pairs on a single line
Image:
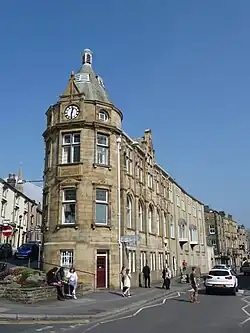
{"points": [[118, 142]]}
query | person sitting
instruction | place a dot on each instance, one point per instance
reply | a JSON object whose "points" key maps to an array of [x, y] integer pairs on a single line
{"points": [[51, 276]]}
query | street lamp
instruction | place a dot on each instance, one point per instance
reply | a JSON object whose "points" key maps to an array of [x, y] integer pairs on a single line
{"points": [[19, 230]]}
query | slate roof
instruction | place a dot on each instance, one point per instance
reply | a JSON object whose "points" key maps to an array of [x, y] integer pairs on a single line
{"points": [[90, 84]]}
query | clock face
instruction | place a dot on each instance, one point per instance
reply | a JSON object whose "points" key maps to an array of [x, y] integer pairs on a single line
{"points": [[71, 112]]}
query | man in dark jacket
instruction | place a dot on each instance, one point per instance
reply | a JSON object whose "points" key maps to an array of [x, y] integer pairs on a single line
{"points": [[59, 287], [146, 274]]}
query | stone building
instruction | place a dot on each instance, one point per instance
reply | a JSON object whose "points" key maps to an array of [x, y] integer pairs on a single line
{"points": [[242, 235], [225, 235], [106, 201], [19, 212]]}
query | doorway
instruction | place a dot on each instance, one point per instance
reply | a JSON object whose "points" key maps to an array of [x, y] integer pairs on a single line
{"points": [[101, 270]]}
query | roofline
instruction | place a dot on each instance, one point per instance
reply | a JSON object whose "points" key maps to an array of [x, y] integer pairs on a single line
{"points": [[168, 176], [19, 193]]}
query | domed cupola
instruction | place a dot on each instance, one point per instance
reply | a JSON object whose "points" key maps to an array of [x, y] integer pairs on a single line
{"points": [[88, 83]]}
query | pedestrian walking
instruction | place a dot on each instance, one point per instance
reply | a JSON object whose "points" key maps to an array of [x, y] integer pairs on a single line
{"points": [[72, 281], [146, 275], [194, 285], [122, 274], [126, 284], [166, 275]]}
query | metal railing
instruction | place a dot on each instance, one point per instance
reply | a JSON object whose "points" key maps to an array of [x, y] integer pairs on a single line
{"points": [[93, 275]]}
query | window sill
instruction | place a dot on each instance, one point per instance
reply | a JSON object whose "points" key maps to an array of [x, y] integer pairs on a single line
{"points": [[96, 165], [96, 225], [68, 164], [67, 225], [131, 228]]}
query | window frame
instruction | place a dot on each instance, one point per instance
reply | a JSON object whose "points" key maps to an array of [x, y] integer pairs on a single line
{"points": [[211, 229], [102, 203], [182, 231], [172, 227], [129, 212], [140, 216], [3, 208], [106, 115], [150, 218], [158, 222], [68, 202], [102, 150], [71, 148], [66, 252]]}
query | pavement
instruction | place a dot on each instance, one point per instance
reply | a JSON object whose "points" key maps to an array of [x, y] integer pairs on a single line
{"points": [[96, 304], [149, 310]]}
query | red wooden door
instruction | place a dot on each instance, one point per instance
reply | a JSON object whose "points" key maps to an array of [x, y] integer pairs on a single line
{"points": [[101, 271]]}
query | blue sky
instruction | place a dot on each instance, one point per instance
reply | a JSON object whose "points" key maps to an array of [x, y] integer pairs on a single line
{"points": [[180, 68]]}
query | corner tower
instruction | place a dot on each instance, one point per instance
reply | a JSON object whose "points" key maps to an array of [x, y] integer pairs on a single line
{"points": [[80, 179]]}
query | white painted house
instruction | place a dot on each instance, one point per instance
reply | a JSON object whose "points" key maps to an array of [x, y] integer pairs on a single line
{"points": [[18, 211]]}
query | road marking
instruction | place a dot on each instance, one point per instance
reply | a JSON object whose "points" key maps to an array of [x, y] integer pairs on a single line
{"points": [[44, 322], [244, 309], [177, 294], [43, 328]]}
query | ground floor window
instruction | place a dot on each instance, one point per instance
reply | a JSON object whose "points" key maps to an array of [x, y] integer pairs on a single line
{"points": [[132, 261], [153, 261], [143, 260], [161, 261], [66, 258]]}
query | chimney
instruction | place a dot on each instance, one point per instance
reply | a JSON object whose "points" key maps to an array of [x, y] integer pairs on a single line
{"points": [[20, 179], [11, 180], [206, 209]]}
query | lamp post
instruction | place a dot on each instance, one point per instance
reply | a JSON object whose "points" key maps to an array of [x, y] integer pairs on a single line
{"points": [[19, 230]]}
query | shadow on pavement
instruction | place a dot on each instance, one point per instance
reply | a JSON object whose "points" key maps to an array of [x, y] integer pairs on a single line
{"points": [[179, 300], [244, 282], [215, 293], [116, 293]]}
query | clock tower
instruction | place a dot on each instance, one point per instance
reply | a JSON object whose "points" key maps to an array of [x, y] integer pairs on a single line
{"points": [[80, 179]]}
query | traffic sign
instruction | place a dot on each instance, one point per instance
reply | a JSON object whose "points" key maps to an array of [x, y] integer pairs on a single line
{"points": [[7, 230]]}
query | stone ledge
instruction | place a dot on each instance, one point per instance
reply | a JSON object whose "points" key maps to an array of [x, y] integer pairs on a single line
{"points": [[33, 294]]}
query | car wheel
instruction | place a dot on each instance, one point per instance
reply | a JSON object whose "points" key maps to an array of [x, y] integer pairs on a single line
{"points": [[234, 291], [208, 291]]}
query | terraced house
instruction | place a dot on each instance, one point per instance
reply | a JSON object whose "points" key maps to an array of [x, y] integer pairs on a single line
{"points": [[106, 201]]}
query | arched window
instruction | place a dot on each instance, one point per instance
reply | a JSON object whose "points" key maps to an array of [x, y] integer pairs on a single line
{"points": [[157, 223], [140, 216], [129, 212], [150, 219], [103, 115]]}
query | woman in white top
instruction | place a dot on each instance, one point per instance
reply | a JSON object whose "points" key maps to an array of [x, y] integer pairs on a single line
{"points": [[72, 280], [127, 284]]}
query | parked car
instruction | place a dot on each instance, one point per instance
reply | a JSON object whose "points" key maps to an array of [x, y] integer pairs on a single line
{"points": [[220, 266], [221, 279], [245, 268], [27, 251], [5, 250]]}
